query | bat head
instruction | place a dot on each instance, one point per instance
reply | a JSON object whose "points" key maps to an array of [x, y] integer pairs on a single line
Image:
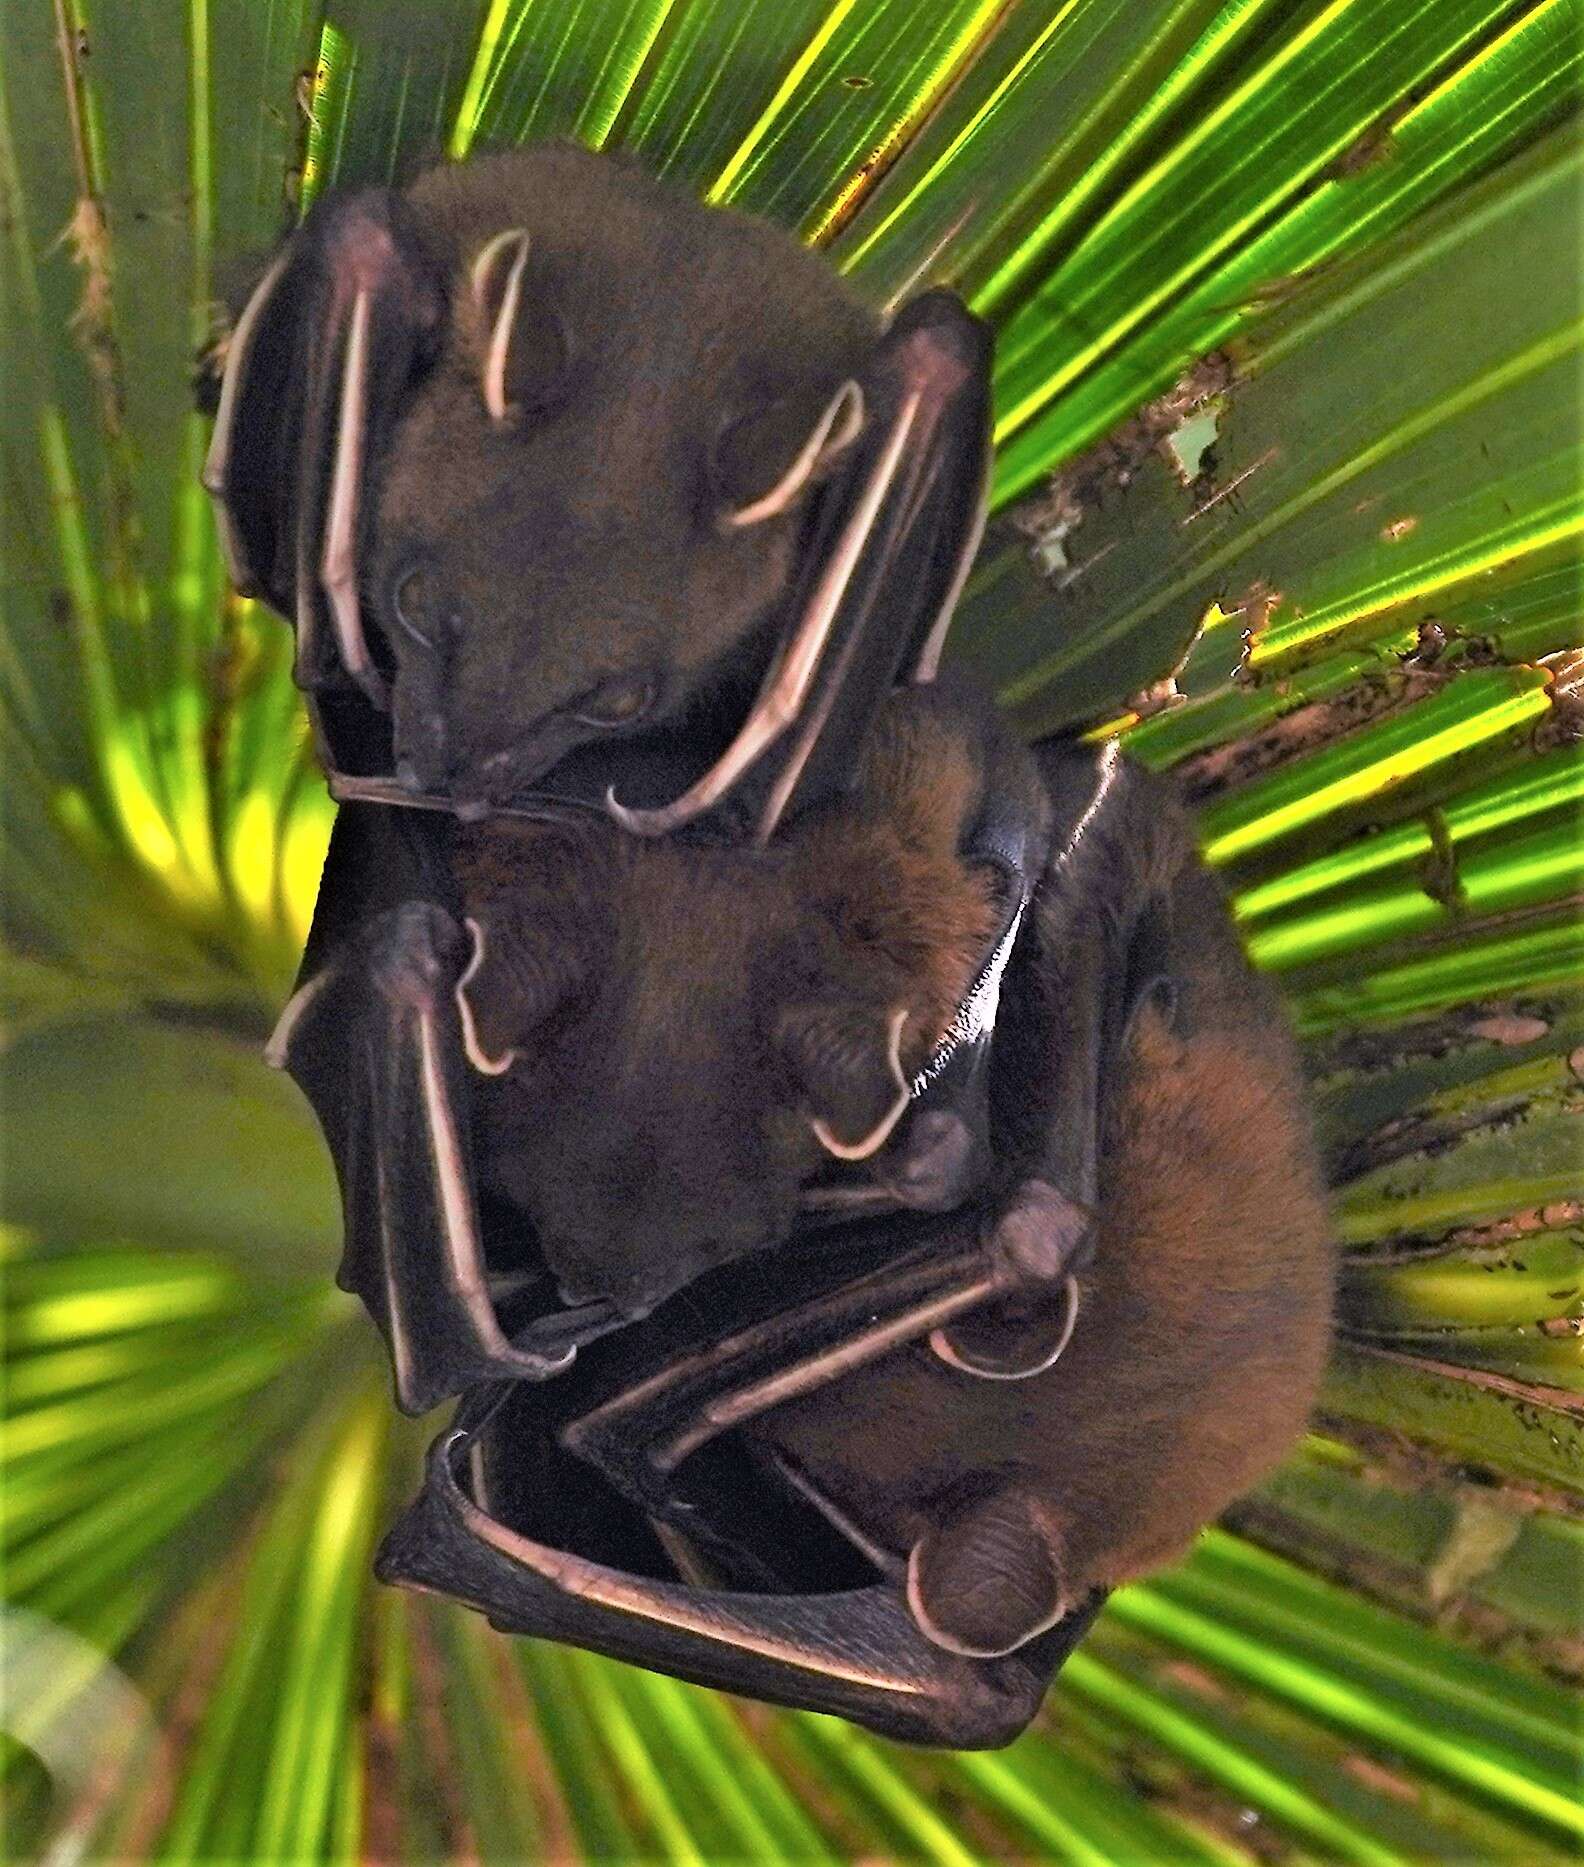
{"points": [[596, 496], [535, 454], [684, 1039]]}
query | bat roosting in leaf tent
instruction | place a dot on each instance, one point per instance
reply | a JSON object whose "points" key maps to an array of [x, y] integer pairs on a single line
{"points": [[801, 1126]]}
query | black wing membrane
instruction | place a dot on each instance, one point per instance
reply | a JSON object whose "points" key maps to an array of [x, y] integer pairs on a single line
{"points": [[622, 1441], [562, 1563], [1093, 947], [373, 1038], [315, 374], [856, 1653], [929, 389]]}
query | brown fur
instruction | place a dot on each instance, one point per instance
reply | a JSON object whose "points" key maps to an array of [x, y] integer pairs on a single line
{"points": [[579, 542]]}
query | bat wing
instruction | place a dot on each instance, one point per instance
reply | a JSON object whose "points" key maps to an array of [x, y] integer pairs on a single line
{"points": [[891, 547], [373, 1038], [565, 1546], [315, 373], [856, 1653]]}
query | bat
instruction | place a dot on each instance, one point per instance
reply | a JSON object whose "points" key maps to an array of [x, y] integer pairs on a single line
{"points": [[565, 479], [917, 1214]]}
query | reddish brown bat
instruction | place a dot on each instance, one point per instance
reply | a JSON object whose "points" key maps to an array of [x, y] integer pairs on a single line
{"points": [[929, 1197], [556, 470]]}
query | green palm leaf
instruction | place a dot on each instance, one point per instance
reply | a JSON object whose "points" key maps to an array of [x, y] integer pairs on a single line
{"points": [[1287, 493]]}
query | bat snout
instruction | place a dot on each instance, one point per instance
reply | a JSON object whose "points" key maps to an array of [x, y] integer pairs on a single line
{"points": [[633, 1291], [503, 769], [637, 1267]]}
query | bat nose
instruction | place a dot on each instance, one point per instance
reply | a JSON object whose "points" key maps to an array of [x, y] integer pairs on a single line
{"points": [[499, 773], [508, 773]]}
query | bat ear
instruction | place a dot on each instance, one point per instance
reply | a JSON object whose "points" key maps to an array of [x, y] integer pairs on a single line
{"points": [[762, 463], [989, 1578], [896, 531], [848, 1060], [521, 344], [316, 371], [507, 990]]}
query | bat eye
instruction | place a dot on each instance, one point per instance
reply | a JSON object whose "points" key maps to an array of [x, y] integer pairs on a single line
{"points": [[418, 604], [617, 703]]}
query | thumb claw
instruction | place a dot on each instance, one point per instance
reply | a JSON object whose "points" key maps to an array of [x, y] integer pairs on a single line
{"points": [[988, 1579]]}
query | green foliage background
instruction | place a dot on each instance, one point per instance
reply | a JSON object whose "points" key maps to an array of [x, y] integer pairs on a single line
{"points": [[1349, 228]]}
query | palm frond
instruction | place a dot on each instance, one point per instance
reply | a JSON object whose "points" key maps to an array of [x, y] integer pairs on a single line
{"points": [[1287, 496]]}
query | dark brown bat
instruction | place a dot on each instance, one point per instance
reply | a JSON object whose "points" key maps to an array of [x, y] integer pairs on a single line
{"points": [[542, 455], [674, 1039], [884, 1467]]}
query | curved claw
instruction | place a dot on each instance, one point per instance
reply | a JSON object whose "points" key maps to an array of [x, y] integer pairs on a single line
{"points": [[338, 572], [878, 1135], [786, 687], [476, 1053], [500, 333], [998, 1348], [836, 428]]}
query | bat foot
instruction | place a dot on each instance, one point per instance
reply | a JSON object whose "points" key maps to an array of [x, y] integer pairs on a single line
{"points": [[1036, 1244]]}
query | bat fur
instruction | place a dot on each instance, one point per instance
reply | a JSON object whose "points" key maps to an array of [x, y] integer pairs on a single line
{"points": [[668, 363], [654, 1116], [680, 1015]]}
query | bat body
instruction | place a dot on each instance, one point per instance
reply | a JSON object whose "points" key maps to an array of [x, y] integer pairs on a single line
{"points": [[664, 1030], [556, 470], [776, 1375]]}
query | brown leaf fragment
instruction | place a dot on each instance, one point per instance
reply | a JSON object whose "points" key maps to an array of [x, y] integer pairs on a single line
{"points": [[1156, 698], [1305, 729], [1371, 147], [87, 234], [1195, 1679], [1376, 1776], [1564, 723], [1436, 642], [1110, 466], [1367, 1051], [1560, 1326], [1509, 1028]]}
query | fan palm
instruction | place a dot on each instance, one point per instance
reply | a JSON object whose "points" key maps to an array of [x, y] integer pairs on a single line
{"points": [[1287, 494]]}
